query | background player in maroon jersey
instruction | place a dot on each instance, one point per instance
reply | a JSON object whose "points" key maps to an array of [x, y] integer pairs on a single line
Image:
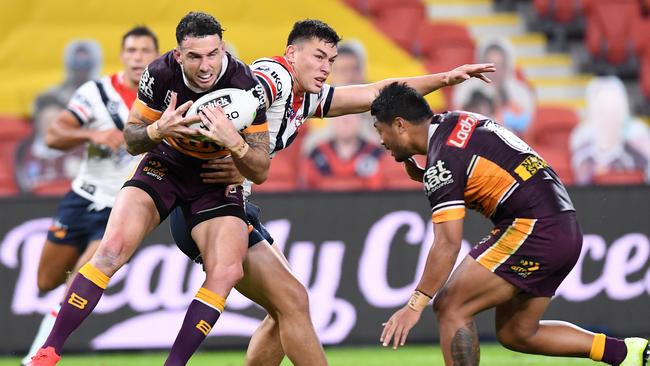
{"points": [[474, 162]]}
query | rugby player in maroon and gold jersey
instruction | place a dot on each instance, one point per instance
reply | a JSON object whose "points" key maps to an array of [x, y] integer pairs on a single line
{"points": [[473, 162], [168, 176]]}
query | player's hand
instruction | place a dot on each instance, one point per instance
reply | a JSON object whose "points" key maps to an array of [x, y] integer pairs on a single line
{"points": [[413, 170], [398, 327], [221, 171], [219, 128], [173, 124], [465, 72], [112, 138]]}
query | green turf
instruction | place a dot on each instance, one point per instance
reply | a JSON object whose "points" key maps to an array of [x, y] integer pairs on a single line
{"points": [[491, 355]]}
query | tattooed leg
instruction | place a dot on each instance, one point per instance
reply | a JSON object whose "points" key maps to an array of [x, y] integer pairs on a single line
{"points": [[465, 347]]}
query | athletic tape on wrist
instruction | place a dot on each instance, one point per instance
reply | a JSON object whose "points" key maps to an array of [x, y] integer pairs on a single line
{"points": [[240, 150], [418, 301]]}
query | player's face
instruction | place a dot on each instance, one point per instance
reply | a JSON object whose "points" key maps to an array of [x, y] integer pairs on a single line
{"points": [[312, 62], [137, 53], [200, 58], [392, 137]]}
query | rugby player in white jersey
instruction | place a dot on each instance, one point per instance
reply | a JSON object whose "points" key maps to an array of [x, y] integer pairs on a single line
{"points": [[296, 90], [95, 116]]}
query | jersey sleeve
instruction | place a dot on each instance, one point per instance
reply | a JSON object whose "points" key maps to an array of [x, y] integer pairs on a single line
{"points": [[274, 78], [81, 104], [444, 184], [152, 91], [324, 101]]}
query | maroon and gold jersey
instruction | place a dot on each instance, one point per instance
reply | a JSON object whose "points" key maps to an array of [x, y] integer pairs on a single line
{"points": [[164, 76], [473, 162]]}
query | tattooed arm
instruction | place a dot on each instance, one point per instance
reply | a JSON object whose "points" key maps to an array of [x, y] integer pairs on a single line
{"points": [[141, 133], [255, 163], [135, 134], [250, 153]]}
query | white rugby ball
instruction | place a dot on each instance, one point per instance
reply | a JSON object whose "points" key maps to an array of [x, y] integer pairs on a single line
{"points": [[239, 105]]}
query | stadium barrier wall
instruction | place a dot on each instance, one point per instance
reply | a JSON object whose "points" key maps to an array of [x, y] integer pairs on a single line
{"points": [[359, 254]]}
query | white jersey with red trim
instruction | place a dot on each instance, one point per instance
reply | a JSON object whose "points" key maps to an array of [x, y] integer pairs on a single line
{"points": [[287, 111], [102, 105]]}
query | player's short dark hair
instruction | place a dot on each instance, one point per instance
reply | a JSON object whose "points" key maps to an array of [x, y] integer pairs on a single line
{"points": [[400, 100], [312, 28], [197, 24], [141, 31]]}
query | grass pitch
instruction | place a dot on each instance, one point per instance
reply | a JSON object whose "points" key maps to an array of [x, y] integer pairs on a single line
{"points": [[413, 355]]}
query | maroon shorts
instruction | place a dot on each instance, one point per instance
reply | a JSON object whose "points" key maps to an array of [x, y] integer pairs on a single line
{"points": [[173, 179], [533, 254]]}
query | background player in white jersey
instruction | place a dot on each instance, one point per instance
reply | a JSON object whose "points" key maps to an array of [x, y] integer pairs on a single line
{"points": [[296, 90], [95, 116]]}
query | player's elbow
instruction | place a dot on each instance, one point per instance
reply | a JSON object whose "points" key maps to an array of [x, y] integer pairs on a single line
{"points": [[260, 177], [52, 139]]}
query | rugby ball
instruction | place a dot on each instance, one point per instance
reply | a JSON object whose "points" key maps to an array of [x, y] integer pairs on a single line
{"points": [[239, 105]]}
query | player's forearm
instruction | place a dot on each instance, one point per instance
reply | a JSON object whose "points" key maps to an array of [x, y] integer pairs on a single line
{"points": [[440, 262], [66, 138], [424, 84], [138, 139], [251, 156]]}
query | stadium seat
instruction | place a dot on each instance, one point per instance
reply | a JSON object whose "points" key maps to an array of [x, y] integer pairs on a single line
{"points": [[443, 45], [609, 34], [549, 135], [399, 23], [8, 184], [620, 178], [14, 128], [552, 126], [284, 172], [55, 188]]}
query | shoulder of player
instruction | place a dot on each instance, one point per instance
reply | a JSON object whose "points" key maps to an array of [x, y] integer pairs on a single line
{"points": [[274, 77], [162, 68]]}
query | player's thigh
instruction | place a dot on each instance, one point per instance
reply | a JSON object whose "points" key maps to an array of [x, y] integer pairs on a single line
{"points": [[222, 240], [55, 263], [133, 216], [471, 289], [268, 281]]}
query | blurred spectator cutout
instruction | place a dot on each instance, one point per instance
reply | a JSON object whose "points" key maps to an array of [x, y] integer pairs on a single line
{"points": [[610, 146], [514, 100]]}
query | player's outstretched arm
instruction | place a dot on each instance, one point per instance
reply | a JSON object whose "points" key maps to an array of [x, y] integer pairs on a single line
{"points": [[142, 134], [65, 132], [358, 98], [440, 262]]}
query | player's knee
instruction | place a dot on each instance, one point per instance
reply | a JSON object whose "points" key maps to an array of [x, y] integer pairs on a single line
{"points": [[48, 282], [231, 273], [111, 255], [441, 305], [512, 339], [296, 299]]}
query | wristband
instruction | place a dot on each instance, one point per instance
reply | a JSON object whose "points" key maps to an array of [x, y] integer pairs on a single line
{"points": [[154, 133], [418, 301], [240, 150]]}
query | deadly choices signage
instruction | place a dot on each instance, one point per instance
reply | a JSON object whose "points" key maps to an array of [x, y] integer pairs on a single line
{"points": [[359, 255]]}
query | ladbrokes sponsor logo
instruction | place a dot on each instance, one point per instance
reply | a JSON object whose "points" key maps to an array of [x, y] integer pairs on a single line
{"points": [[463, 131], [437, 176], [155, 169]]}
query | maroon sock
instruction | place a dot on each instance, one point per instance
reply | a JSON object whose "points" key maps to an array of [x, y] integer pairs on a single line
{"points": [[615, 351], [81, 299], [199, 320]]}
